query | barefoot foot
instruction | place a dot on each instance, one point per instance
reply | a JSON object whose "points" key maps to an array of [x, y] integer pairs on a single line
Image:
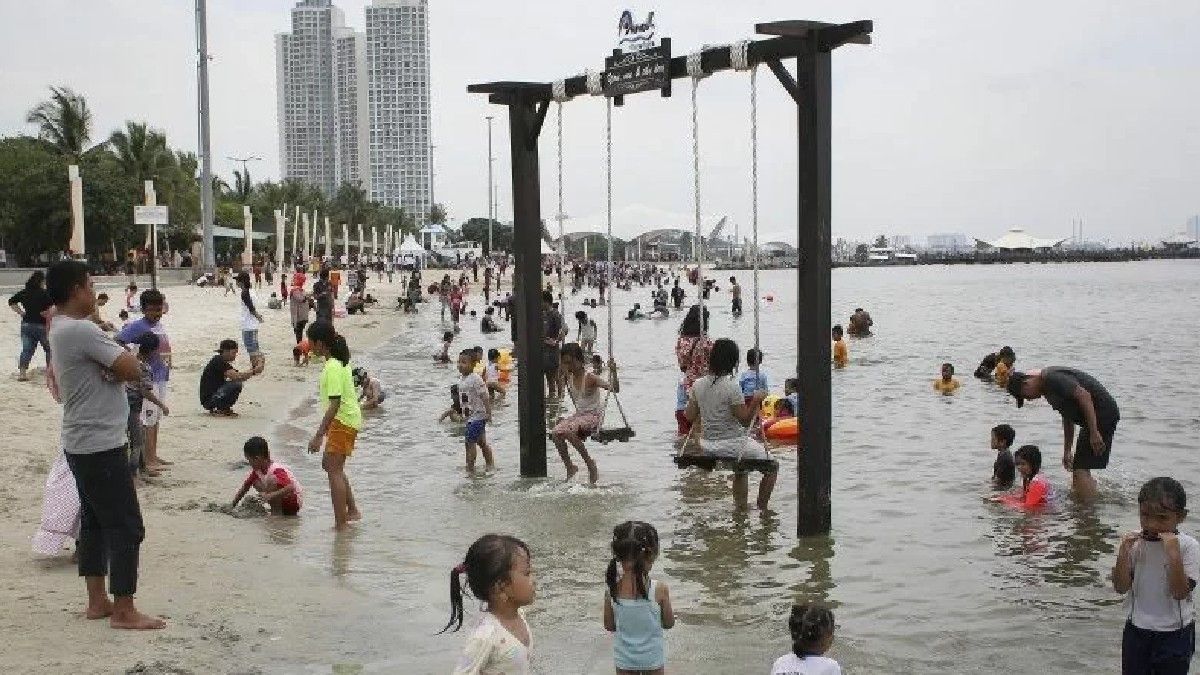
{"points": [[136, 621], [571, 471], [99, 611], [353, 516], [593, 473]]}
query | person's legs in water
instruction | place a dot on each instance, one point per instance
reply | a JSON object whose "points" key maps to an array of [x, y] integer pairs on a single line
{"points": [[765, 487], [489, 461], [741, 489], [339, 488], [111, 533], [352, 512], [560, 443]]}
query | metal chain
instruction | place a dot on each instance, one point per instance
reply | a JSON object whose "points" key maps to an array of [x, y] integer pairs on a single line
{"points": [[608, 215]]}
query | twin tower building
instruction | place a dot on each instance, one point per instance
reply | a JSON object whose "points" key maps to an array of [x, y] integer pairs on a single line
{"points": [[354, 107]]}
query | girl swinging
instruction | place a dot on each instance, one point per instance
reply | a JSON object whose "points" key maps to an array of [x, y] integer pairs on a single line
{"points": [[584, 388]]}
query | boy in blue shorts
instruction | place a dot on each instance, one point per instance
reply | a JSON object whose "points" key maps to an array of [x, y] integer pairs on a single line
{"points": [[477, 409]]}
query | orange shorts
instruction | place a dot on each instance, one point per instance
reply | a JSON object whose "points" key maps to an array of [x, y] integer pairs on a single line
{"points": [[339, 440]]}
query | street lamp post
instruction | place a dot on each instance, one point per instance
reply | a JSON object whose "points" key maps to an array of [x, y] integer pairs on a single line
{"points": [[490, 202], [245, 161], [206, 193]]}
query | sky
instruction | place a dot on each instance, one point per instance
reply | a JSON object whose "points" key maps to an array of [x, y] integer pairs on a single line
{"points": [[963, 117]]}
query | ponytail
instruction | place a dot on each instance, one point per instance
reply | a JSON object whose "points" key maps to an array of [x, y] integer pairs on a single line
{"points": [[635, 543], [323, 332], [456, 600]]}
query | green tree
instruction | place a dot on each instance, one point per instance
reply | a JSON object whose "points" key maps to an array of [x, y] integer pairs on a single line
{"points": [[881, 241], [142, 152], [34, 198], [476, 230], [437, 214], [350, 205], [243, 187], [64, 122]]}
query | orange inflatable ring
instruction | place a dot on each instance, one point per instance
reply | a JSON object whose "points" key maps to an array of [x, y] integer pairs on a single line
{"points": [[785, 429]]}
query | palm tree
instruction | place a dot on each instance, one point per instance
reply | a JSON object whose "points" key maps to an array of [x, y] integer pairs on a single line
{"points": [[142, 152], [350, 205], [242, 186], [64, 122]]}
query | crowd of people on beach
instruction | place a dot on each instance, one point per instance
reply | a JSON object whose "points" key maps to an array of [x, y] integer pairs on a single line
{"points": [[113, 382]]}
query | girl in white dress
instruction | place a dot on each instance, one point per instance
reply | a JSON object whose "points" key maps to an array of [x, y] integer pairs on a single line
{"points": [[499, 573]]}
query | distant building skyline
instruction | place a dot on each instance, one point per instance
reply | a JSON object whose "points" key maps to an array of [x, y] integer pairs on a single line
{"points": [[354, 106]]}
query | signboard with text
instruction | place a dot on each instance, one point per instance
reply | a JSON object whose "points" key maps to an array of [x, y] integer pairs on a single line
{"points": [[150, 215], [635, 72]]}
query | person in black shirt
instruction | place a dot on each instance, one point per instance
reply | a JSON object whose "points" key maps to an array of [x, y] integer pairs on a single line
{"points": [[221, 383], [32, 304], [1082, 402], [323, 295], [1004, 470]]}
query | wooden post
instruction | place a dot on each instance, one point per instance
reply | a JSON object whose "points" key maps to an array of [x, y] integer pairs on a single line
{"points": [[527, 282], [814, 465]]}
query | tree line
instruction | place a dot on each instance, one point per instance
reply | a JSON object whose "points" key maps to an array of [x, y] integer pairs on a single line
{"points": [[35, 212]]}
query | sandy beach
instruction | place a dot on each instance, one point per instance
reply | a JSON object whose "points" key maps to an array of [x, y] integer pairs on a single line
{"points": [[230, 597]]}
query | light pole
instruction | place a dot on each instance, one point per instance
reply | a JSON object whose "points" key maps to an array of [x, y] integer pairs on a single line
{"points": [[245, 169], [490, 159], [206, 194]]}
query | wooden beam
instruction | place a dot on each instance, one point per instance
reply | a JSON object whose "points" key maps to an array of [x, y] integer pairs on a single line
{"points": [[805, 28], [527, 280], [539, 120], [785, 78], [814, 460]]}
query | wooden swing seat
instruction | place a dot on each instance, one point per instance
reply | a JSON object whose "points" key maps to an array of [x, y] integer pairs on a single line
{"points": [[606, 436], [710, 462]]}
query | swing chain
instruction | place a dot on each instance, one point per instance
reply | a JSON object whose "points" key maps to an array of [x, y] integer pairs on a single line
{"points": [[562, 239], [695, 70], [609, 218]]}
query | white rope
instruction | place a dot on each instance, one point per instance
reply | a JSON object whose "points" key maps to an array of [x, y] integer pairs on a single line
{"points": [[558, 89], [608, 216], [739, 55], [754, 199], [694, 58], [695, 67], [595, 82], [562, 240]]}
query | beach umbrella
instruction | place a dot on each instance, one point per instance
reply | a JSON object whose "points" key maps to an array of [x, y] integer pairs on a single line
{"points": [[328, 239], [247, 224]]}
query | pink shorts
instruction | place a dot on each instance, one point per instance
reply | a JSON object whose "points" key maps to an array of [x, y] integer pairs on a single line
{"points": [[682, 421], [582, 424]]}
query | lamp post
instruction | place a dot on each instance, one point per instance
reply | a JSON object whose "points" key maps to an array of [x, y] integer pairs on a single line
{"points": [[206, 196], [245, 169], [490, 160]]}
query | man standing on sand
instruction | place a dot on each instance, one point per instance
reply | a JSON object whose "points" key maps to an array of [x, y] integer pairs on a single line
{"points": [[91, 368], [323, 294], [1082, 401]]}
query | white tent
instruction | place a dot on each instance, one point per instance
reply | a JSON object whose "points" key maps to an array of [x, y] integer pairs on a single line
{"points": [[410, 245], [546, 249], [1018, 239]]}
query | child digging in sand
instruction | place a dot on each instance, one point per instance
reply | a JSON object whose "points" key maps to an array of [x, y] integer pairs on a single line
{"points": [[276, 484]]}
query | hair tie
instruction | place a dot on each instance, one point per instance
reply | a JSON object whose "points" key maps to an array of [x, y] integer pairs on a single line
{"points": [[460, 568]]}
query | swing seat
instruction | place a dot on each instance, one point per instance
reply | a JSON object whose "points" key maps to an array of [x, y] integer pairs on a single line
{"points": [[710, 462], [619, 434]]}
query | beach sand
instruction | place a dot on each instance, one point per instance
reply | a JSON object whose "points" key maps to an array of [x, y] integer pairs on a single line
{"points": [[229, 595]]}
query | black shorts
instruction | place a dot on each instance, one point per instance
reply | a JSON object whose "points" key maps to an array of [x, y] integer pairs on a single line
{"points": [[1151, 651], [1085, 457], [737, 305]]}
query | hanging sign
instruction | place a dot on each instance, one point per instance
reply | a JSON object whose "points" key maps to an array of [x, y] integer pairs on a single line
{"points": [[640, 63], [633, 36], [150, 215]]}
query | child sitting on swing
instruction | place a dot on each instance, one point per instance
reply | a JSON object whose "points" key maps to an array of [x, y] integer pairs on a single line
{"points": [[584, 388]]}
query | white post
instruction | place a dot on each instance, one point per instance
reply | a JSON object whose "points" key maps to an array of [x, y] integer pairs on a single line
{"points": [[346, 242], [247, 226], [328, 239], [307, 235], [295, 234], [279, 240], [152, 234], [76, 246], [374, 240], [312, 240], [361, 246]]}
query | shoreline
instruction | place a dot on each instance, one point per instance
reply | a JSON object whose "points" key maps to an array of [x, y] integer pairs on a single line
{"points": [[230, 593]]}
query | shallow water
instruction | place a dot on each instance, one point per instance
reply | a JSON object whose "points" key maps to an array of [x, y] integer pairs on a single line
{"points": [[924, 575]]}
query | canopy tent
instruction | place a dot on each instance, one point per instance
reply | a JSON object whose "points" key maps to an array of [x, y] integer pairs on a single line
{"points": [[410, 246]]}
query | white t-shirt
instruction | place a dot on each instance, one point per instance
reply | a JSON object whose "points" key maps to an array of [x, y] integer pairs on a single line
{"points": [[492, 650], [716, 397], [790, 664], [249, 321], [473, 393], [1149, 603]]}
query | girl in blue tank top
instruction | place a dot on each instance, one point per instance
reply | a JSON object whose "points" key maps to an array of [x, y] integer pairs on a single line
{"points": [[636, 608]]}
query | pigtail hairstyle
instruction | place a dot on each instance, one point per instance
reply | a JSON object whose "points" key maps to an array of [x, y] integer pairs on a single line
{"points": [[633, 542], [1031, 455], [324, 332], [488, 562], [809, 624]]}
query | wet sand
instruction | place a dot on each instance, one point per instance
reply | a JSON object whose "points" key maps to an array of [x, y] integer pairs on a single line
{"points": [[230, 595]]}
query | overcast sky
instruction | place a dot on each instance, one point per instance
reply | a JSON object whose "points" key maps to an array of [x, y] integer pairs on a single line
{"points": [[965, 116]]}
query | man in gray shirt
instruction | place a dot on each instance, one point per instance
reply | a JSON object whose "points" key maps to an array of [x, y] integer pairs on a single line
{"points": [[90, 368]]}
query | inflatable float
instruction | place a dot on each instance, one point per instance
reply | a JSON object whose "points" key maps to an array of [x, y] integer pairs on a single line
{"points": [[781, 429]]}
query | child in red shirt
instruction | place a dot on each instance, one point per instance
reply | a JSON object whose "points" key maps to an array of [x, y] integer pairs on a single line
{"points": [[275, 482]]}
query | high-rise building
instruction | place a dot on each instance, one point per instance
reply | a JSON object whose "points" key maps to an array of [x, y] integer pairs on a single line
{"points": [[355, 107], [399, 101]]}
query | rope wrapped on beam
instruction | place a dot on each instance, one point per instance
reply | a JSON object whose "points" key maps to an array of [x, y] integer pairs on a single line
{"points": [[594, 81]]}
